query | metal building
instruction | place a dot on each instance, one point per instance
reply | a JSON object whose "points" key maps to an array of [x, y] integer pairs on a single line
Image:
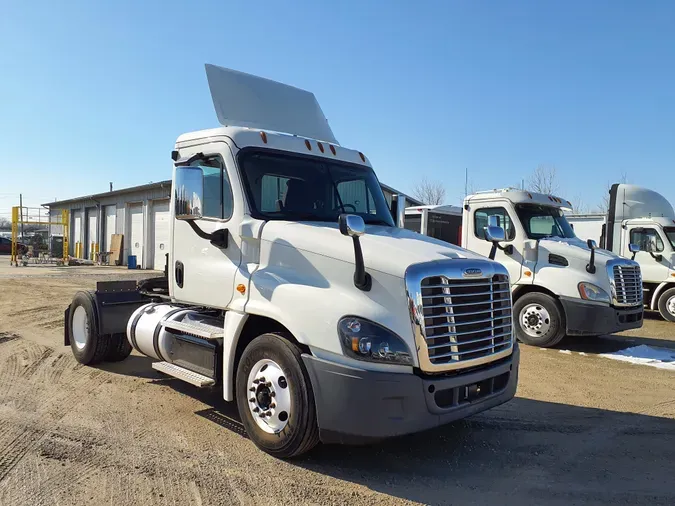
{"points": [[140, 213]]}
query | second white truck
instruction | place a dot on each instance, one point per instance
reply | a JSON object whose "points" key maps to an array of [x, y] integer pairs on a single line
{"points": [[561, 284], [644, 218]]}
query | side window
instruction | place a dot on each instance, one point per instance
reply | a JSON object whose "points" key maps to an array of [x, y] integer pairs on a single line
{"points": [[480, 221], [647, 238], [218, 201], [356, 197]]}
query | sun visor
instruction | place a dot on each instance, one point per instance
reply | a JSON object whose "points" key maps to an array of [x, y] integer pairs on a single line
{"points": [[250, 101]]}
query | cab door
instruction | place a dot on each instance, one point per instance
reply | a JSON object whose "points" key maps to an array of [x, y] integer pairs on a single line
{"points": [[200, 272], [476, 232], [654, 255]]}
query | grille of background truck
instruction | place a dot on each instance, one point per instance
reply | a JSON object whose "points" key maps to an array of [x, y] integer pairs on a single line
{"points": [[465, 319], [628, 284]]}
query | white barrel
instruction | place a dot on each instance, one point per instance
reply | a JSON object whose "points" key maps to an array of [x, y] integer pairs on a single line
{"points": [[145, 331]]}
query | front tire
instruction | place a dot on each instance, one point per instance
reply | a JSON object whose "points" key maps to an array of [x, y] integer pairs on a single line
{"points": [[275, 397], [667, 305], [540, 320], [88, 346]]}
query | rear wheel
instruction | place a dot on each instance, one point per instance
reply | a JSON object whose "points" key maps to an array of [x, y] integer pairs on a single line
{"points": [[88, 346], [275, 397], [540, 320], [118, 348], [667, 305]]}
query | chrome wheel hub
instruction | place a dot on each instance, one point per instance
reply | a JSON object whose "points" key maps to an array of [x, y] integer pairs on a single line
{"points": [[670, 305], [269, 396], [535, 320]]}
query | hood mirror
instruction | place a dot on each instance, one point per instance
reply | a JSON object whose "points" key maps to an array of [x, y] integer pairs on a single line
{"points": [[353, 226], [633, 248], [590, 267]]}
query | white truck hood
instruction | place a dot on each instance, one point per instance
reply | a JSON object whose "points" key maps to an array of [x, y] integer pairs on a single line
{"points": [[385, 249], [575, 248]]}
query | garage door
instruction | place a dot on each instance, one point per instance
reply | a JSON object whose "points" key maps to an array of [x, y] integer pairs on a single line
{"points": [[77, 230], [136, 239], [160, 231], [110, 223], [92, 232]]}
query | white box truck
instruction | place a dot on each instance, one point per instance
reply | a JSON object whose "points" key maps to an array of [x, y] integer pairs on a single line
{"points": [[645, 219], [289, 286], [561, 284]]}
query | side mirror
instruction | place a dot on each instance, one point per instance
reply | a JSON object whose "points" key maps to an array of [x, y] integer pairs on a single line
{"points": [[351, 225], [633, 248], [590, 266], [189, 189], [494, 234]]}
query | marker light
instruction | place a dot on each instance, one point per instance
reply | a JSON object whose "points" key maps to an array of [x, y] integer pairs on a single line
{"points": [[320, 146], [332, 149], [263, 136], [362, 157], [309, 146]]}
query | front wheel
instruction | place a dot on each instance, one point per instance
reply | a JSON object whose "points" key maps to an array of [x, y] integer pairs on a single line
{"points": [[539, 320], [667, 305], [275, 397]]}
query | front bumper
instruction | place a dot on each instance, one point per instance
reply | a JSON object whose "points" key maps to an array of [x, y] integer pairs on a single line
{"points": [[588, 319], [358, 406]]}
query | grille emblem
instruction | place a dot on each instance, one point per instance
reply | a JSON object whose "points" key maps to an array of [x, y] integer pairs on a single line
{"points": [[472, 273]]}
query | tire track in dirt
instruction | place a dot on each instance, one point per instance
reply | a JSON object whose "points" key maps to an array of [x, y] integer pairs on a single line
{"points": [[13, 449]]}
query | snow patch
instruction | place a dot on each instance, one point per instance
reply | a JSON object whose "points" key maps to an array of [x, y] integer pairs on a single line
{"points": [[566, 352], [662, 358]]}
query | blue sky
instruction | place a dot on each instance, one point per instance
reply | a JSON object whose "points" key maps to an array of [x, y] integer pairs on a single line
{"points": [[93, 92]]}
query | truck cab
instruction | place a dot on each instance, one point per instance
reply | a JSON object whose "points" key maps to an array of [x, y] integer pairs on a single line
{"points": [[640, 224], [290, 288], [561, 284]]}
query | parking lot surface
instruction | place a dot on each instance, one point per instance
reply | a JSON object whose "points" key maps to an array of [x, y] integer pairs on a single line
{"points": [[583, 429]]}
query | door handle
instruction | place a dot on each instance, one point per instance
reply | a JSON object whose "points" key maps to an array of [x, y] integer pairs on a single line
{"points": [[180, 274]]}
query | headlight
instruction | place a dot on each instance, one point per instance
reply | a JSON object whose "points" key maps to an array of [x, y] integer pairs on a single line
{"points": [[364, 340], [589, 291]]}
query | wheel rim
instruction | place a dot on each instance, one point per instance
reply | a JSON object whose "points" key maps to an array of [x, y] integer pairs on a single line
{"points": [[269, 396], [80, 327], [670, 305], [535, 320]]}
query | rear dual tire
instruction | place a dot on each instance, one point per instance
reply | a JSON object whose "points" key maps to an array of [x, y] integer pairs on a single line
{"points": [[88, 346]]}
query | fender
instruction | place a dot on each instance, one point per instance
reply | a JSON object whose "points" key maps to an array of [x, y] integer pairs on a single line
{"points": [[657, 293]]}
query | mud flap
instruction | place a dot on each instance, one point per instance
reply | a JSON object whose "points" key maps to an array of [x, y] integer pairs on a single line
{"points": [[66, 334]]}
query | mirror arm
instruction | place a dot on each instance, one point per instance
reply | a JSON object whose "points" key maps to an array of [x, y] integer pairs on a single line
{"points": [[590, 268], [362, 280], [633, 257], [219, 238], [658, 258]]}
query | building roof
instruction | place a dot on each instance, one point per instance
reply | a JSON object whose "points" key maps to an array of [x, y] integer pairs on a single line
{"points": [[122, 191]]}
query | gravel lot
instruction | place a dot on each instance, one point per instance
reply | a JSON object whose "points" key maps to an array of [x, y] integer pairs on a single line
{"points": [[582, 430]]}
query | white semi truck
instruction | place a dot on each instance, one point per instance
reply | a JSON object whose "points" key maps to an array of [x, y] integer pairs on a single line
{"points": [[288, 285], [561, 284], [645, 218]]}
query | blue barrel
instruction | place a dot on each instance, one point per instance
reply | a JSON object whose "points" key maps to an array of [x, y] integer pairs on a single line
{"points": [[131, 261]]}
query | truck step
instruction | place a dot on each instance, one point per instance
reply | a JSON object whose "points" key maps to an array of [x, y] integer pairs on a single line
{"points": [[196, 379], [195, 328]]}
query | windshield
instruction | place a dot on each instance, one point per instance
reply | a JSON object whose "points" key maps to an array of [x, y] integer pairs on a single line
{"points": [[302, 188], [670, 234], [540, 222]]}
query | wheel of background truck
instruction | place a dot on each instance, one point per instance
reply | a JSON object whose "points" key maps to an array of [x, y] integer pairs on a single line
{"points": [[119, 348], [539, 320], [275, 397], [667, 305], [88, 347]]}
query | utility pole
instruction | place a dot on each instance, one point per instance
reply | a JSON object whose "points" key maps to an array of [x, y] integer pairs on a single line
{"points": [[21, 211]]}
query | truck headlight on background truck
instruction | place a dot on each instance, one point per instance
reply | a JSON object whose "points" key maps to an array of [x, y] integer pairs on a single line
{"points": [[364, 340], [594, 293]]}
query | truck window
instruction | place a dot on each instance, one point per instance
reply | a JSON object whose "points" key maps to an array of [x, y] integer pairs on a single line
{"points": [[670, 234], [480, 221], [218, 202], [647, 238], [541, 222], [283, 186]]}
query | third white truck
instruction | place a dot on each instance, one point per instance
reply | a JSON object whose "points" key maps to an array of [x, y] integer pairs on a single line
{"points": [[561, 284], [645, 218]]}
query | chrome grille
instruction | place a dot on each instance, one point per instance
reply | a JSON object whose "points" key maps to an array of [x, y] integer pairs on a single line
{"points": [[627, 285], [466, 319]]}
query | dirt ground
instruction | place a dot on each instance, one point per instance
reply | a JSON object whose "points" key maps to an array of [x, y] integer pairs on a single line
{"points": [[582, 430]]}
